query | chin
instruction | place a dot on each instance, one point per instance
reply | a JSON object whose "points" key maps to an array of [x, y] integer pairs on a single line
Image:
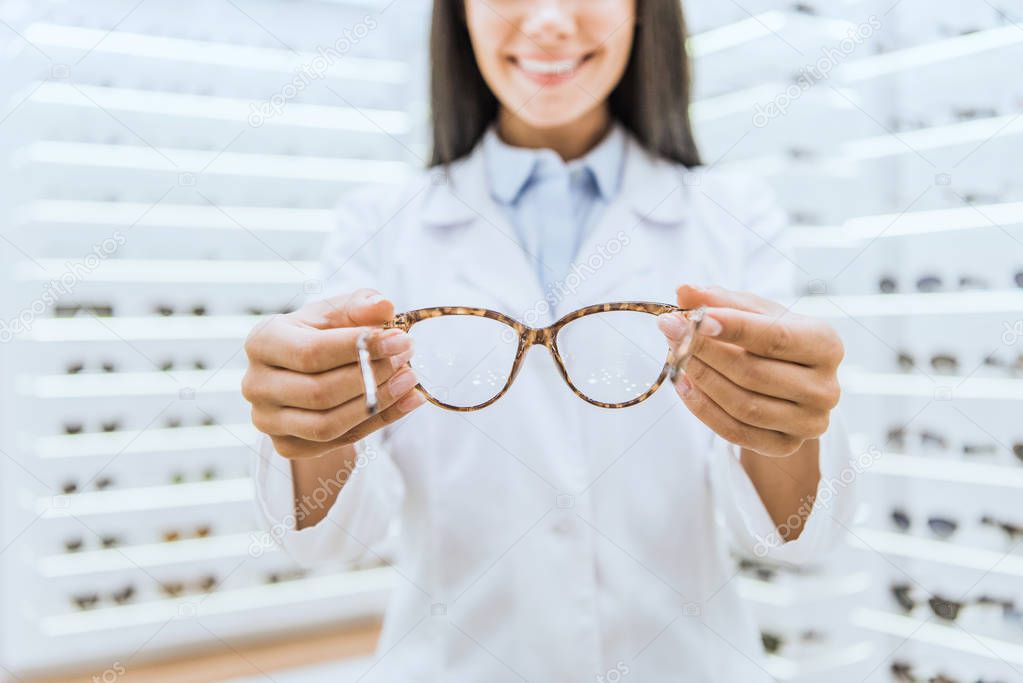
{"points": [[548, 116]]}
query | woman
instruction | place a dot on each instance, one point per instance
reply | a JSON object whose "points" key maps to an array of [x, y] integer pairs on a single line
{"points": [[544, 538]]}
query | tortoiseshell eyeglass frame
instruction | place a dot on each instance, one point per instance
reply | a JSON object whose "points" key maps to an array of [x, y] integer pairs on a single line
{"points": [[547, 336]]}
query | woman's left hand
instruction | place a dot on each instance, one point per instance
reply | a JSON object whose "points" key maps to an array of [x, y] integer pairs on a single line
{"points": [[760, 377]]}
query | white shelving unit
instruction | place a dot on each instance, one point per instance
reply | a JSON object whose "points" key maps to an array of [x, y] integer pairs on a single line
{"points": [[896, 167], [169, 159]]}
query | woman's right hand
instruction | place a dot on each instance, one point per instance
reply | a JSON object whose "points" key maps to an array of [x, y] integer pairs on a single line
{"points": [[304, 381]]}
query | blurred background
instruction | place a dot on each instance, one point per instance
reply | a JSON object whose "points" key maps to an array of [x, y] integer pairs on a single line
{"points": [[168, 171]]}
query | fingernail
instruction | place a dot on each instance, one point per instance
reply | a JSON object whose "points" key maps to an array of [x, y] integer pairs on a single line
{"points": [[401, 383], [685, 387], [401, 359], [671, 326], [411, 402], [395, 344], [710, 327], [373, 299]]}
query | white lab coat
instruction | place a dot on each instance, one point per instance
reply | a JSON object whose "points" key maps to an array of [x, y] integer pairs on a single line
{"points": [[542, 538]]}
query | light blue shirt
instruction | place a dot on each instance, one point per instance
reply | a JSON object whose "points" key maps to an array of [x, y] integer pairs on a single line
{"points": [[553, 205]]}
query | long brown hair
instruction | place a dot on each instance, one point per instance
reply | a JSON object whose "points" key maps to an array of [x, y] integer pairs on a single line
{"points": [[651, 100]]}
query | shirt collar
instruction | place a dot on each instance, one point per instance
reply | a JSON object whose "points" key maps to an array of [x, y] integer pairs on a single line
{"points": [[509, 168]]}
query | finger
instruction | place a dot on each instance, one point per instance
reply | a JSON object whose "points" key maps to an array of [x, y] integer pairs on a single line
{"points": [[787, 337], [764, 441], [756, 410], [363, 307], [296, 448], [283, 344], [778, 378], [326, 425], [320, 391], [690, 296]]}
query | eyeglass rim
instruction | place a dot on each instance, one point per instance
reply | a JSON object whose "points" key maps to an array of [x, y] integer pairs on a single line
{"points": [[545, 336]]}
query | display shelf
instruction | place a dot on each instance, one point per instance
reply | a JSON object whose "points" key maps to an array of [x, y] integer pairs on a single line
{"points": [[179, 271], [938, 387], [765, 25], [915, 304], [829, 660], [974, 132], [139, 216], [72, 42], [132, 557], [938, 552], [849, 153], [803, 589], [192, 440], [886, 226], [897, 62], [128, 384], [351, 594], [949, 470], [141, 499], [929, 632], [197, 109], [175, 162], [142, 328]]}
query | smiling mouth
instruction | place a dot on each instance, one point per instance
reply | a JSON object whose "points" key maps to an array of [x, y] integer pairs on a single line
{"points": [[550, 70]]}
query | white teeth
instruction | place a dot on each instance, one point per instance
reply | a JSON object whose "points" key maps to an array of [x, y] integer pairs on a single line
{"points": [[548, 68]]}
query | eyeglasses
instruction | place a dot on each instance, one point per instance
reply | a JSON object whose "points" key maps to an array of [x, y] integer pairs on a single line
{"points": [[610, 355]]}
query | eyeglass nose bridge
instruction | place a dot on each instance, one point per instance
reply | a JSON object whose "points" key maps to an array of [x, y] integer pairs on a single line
{"points": [[542, 336]]}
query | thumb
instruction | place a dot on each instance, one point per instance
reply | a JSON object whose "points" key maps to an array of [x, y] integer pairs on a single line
{"points": [[691, 296], [358, 308]]}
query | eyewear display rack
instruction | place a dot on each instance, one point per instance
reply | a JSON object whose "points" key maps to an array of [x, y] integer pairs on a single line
{"points": [[889, 131], [169, 173]]}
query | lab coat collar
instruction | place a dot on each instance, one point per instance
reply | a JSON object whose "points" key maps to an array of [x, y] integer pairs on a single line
{"points": [[653, 188]]}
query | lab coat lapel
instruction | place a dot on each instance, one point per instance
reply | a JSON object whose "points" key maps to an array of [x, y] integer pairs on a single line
{"points": [[652, 198], [484, 246]]}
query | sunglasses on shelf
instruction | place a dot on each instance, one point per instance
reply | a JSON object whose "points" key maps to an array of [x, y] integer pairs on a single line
{"points": [[165, 310], [101, 483], [610, 355], [775, 642], [897, 438], [207, 474], [77, 367], [1013, 531], [1012, 367], [942, 362], [169, 364], [175, 421], [174, 589], [86, 601], [928, 284], [902, 672], [172, 535], [942, 527], [286, 575], [106, 541], [104, 426], [72, 310]]}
